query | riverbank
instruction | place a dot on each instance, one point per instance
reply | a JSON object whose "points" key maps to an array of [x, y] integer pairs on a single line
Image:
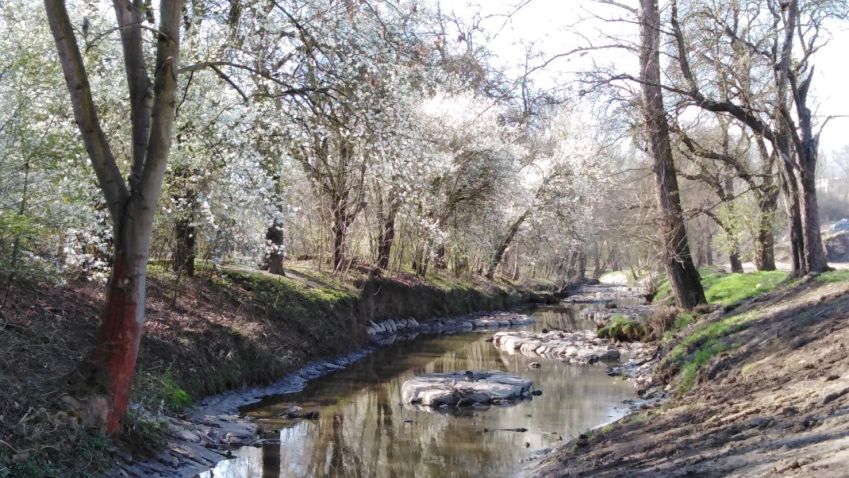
{"points": [[221, 330], [758, 388]]}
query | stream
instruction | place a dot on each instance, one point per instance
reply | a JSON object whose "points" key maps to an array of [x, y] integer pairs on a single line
{"points": [[364, 431]]}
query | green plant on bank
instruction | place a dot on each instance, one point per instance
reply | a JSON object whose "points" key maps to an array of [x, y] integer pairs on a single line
{"points": [[636, 419], [680, 323], [734, 288], [698, 348], [160, 392], [831, 277], [728, 289], [623, 329]]}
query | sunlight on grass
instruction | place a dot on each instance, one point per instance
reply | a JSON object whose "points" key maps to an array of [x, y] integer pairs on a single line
{"points": [[728, 289], [732, 288], [831, 277]]}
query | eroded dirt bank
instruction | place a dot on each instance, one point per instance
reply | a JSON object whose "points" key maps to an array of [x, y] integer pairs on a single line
{"points": [[772, 399]]}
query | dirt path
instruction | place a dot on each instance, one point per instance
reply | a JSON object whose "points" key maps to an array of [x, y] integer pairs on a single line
{"points": [[775, 405]]}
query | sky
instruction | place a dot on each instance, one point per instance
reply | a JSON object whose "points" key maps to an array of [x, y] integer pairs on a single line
{"points": [[550, 26]]}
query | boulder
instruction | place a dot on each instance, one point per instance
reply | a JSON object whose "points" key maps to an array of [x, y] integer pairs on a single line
{"points": [[464, 389]]}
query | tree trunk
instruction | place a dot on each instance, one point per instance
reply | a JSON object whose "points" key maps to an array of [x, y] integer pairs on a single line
{"points": [[421, 258], [736, 263], [765, 240], [114, 358], [515, 276], [439, 259], [580, 273], [807, 146], [709, 248], [338, 231], [814, 250], [385, 240], [185, 240], [789, 188], [683, 276], [596, 261], [131, 203], [274, 250], [505, 243]]}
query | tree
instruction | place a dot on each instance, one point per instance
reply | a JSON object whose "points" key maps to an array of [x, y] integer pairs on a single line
{"points": [[131, 202], [717, 166], [768, 33], [683, 276]]}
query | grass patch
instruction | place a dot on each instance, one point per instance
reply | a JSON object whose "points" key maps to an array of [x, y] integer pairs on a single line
{"points": [[728, 289], [707, 333], [607, 428], [160, 391], [697, 349], [831, 277], [623, 329], [637, 419], [681, 322], [699, 359]]}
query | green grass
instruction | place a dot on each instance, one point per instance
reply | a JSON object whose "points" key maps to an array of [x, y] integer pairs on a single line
{"points": [[623, 329], [831, 277], [698, 348], [728, 289], [160, 391], [699, 359], [681, 323], [607, 428], [735, 288]]}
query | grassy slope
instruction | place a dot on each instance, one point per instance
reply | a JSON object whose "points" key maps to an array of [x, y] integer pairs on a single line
{"points": [[750, 358], [728, 289], [203, 335]]}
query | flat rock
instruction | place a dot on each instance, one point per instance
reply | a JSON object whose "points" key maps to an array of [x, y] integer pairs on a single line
{"points": [[391, 330], [464, 388], [574, 347]]}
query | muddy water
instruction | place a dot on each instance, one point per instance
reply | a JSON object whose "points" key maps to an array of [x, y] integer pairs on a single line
{"points": [[363, 430]]}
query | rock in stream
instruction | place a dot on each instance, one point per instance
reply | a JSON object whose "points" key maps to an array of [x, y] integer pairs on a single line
{"points": [[574, 347], [464, 389]]}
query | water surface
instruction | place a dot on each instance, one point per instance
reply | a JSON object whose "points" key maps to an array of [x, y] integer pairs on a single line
{"points": [[364, 430]]}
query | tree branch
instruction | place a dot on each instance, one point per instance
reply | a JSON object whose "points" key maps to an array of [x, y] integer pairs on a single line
{"points": [[102, 160], [130, 20]]}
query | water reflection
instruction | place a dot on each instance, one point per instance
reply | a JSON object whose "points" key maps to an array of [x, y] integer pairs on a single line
{"points": [[364, 431], [248, 463]]}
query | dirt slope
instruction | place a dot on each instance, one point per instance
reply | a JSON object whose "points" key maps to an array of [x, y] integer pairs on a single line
{"points": [[776, 404]]}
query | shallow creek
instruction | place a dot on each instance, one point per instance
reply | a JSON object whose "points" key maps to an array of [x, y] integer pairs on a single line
{"points": [[364, 431]]}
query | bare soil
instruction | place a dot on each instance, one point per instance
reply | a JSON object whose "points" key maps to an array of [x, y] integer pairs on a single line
{"points": [[776, 404]]}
